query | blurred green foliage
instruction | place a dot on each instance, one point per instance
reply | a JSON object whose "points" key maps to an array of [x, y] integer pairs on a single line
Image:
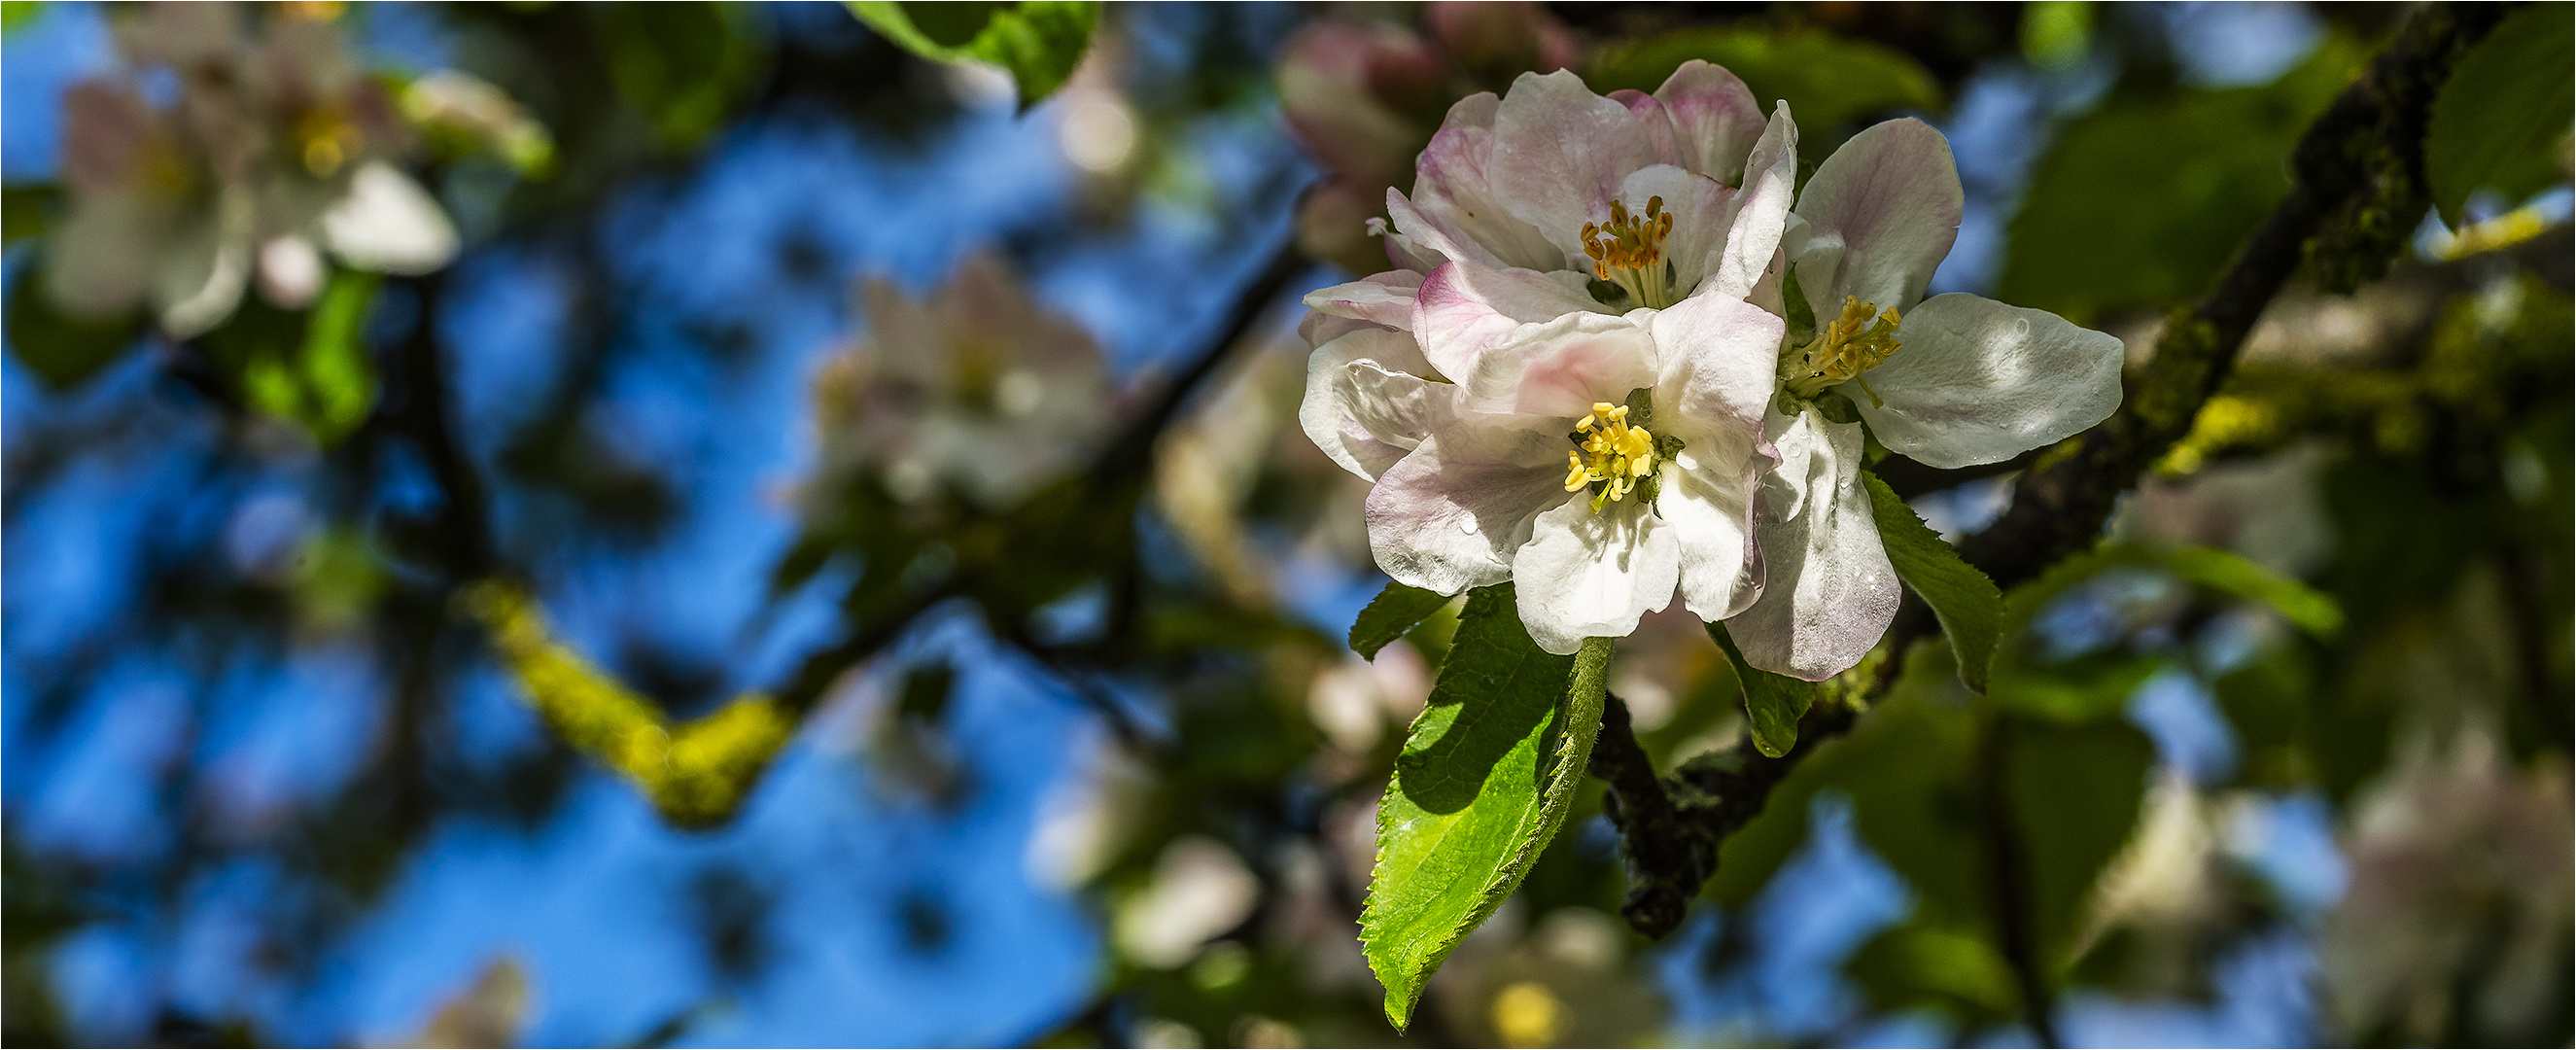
{"points": [[2503, 119], [2141, 201], [1828, 80]]}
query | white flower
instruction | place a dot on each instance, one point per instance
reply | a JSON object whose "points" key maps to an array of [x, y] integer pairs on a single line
{"points": [[1563, 386], [276, 148], [975, 389], [1950, 381]]}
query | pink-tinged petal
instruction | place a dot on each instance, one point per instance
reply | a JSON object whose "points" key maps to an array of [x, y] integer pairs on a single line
{"points": [[1715, 119], [1462, 308], [1454, 183], [1698, 205], [1320, 328], [1366, 404], [1587, 575], [1828, 591], [1711, 511], [1884, 211], [1718, 364], [1560, 153], [1760, 210], [1382, 299], [1427, 234], [1977, 381], [1484, 35], [1562, 368], [1659, 129], [1446, 521]]}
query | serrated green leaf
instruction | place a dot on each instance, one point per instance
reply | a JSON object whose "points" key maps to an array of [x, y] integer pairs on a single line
{"points": [[1484, 781], [60, 347], [1969, 606], [1773, 703], [1827, 79], [1394, 611], [2508, 104], [1038, 41]]}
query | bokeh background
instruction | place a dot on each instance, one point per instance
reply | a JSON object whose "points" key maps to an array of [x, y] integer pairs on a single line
{"points": [[1087, 760]]}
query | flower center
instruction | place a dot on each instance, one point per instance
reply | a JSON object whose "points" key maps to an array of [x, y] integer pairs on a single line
{"points": [[1629, 252], [1610, 456], [1850, 344]]}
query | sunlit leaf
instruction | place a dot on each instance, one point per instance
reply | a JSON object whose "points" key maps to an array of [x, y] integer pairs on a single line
{"points": [[2304, 606], [1970, 608], [1038, 41], [1773, 703], [1483, 783], [1394, 611], [2502, 120]]}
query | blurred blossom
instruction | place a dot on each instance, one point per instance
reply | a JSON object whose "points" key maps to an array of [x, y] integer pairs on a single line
{"points": [[1366, 97], [1199, 890], [2270, 510], [486, 1013], [275, 148], [1355, 700], [973, 390], [1099, 132], [1084, 822], [2456, 925]]}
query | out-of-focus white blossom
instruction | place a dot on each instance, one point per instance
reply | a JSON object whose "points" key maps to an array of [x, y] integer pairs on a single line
{"points": [[275, 149], [974, 390], [1200, 890]]}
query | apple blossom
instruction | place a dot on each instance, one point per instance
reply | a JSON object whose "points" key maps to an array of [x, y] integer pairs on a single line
{"points": [[275, 151], [1951, 381], [974, 389]]}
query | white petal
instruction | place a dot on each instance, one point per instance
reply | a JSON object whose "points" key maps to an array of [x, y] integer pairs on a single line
{"points": [[1561, 153], [1364, 405], [1711, 512], [1586, 575], [1889, 200], [1719, 363], [1447, 520], [1454, 182], [1384, 299], [388, 224], [290, 271], [1463, 307], [1828, 591], [1562, 368], [1715, 118], [1759, 211], [201, 276], [1978, 381], [1424, 233]]}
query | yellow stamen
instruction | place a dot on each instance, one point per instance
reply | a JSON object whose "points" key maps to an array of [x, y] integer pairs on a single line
{"points": [[1629, 252], [1852, 343], [1611, 454]]}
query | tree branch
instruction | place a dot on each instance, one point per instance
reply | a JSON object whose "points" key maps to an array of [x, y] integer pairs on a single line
{"points": [[2357, 172]]}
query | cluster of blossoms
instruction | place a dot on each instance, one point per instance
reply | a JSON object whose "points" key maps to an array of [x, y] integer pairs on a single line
{"points": [[274, 149], [1582, 375], [974, 391]]}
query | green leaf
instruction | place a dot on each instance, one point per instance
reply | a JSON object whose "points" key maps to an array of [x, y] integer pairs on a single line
{"points": [[1969, 606], [62, 348], [2306, 607], [2074, 791], [1038, 41], [1394, 611], [2141, 202], [1773, 703], [28, 209], [2510, 102], [1484, 781], [1827, 79]]}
